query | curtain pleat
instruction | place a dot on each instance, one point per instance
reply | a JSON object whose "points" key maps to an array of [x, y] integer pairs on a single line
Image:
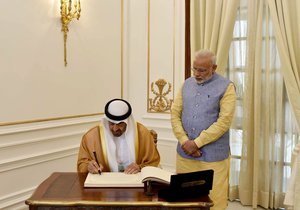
{"points": [[212, 24], [288, 42], [271, 88], [286, 19], [264, 140]]}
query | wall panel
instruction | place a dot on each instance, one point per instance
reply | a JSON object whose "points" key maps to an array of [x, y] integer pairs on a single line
{"points": [[155, 50], [34, 83], [105, 60], [29, 153]]}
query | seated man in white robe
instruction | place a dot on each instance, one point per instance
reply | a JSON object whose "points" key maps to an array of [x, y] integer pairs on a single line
{"points": [[118, 143]]}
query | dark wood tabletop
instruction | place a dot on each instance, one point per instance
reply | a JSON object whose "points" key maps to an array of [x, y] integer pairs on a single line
{"points": [[67, 191]]}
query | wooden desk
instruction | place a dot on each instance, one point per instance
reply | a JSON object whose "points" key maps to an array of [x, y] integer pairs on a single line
{"points": [[66, 191]]}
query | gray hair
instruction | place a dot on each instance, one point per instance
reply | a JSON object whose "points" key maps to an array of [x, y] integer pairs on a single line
{"points": [[206, 53]]}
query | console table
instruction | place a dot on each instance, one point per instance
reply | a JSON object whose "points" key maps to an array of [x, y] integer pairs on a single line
{"points": [[66, 191]]}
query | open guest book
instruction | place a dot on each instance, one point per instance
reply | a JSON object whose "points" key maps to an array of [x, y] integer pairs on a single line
{"points": [[120, 179]]}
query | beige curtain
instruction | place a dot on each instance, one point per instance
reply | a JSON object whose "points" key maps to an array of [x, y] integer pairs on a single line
{"points": [[212, 23], [271, 98], [293, 191], [286, 19], [264, 138]]}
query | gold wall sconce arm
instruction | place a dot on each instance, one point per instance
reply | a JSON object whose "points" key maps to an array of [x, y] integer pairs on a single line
{"points": [[67, 14]]}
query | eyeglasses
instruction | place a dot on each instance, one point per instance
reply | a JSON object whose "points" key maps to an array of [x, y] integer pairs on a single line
{"points": [[199, 69]]}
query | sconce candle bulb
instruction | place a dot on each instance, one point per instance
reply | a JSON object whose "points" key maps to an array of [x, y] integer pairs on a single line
{"points": [[66, 16]]}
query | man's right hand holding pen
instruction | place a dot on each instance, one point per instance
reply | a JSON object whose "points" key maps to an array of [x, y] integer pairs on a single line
{"points": [[94, 166]]}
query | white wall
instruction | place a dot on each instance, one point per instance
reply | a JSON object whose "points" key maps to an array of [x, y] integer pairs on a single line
{"points": [[29, 153], [155, 49], [111, 45], [35, 84]]}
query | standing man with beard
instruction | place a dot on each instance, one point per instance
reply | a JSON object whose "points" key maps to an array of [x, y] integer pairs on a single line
{"points": [[201, 117]]}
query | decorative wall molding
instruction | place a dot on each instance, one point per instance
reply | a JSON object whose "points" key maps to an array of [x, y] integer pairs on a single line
{"points": [[160, 103], [46, 125], [37, 158], [161, 44], [52, 143], [160, 127], [41, 139], [134, 67], [17, 198], [43, 84], [157, 116]]}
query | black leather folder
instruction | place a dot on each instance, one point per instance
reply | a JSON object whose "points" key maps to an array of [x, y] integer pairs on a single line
{"points": [[188, 185]]}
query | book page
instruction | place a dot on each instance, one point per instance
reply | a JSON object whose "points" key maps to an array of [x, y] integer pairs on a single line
{"points": [[156, 174], [113, 179]]}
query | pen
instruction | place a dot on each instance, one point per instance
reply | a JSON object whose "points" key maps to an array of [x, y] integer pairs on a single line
{"points": [[97, 162]]}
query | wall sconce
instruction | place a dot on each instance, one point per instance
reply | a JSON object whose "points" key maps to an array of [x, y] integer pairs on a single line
{"points": [[66, 16]]}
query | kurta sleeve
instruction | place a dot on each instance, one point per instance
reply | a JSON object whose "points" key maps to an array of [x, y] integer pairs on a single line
{"points": [[176, 112], [217, 129]]}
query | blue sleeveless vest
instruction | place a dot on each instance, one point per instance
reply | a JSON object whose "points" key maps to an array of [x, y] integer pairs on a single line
{"points": [[201, 107]]}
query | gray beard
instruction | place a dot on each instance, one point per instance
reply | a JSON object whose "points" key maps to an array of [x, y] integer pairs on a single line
{"points": [[203, 80]]}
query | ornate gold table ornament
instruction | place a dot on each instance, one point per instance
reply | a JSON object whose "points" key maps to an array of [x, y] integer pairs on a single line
{"points": [[66, 16], [160, 103]]}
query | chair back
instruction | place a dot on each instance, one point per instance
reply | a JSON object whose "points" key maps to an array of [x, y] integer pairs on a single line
{"points": [[154, 134]]}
